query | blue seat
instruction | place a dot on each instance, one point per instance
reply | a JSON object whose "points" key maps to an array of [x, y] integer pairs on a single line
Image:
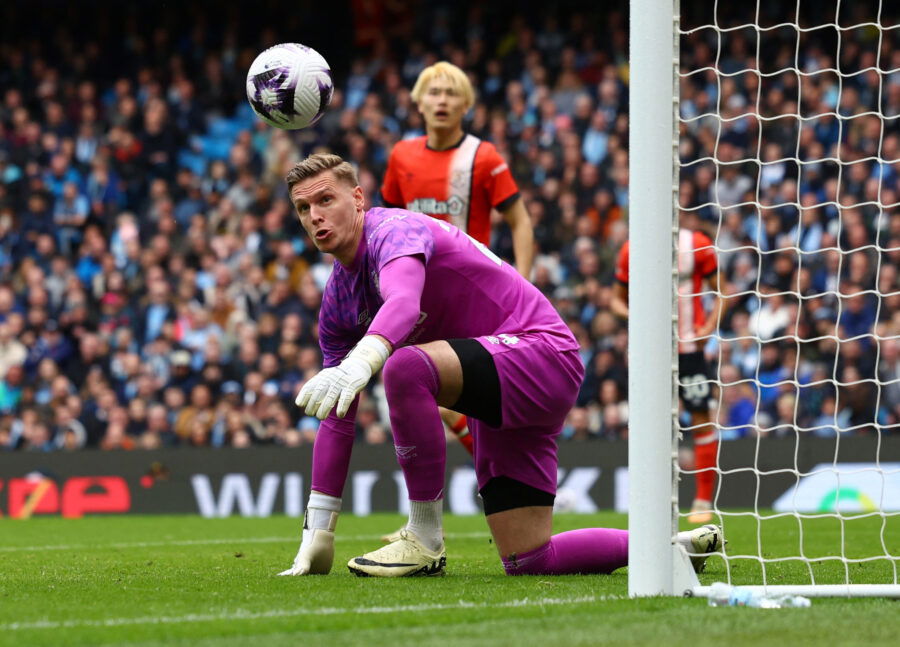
{"points": [[216, 148], [195, 162]]}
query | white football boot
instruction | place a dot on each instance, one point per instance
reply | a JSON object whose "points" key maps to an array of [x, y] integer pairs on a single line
{"points": [[391, 537], [701, 542], [405, 557], [316, 553]]}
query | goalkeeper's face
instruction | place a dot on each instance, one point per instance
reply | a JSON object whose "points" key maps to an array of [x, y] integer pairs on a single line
{"points": [[331, 211]]}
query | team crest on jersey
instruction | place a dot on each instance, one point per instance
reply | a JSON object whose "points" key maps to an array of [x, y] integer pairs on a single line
{"points": [[363, 319]]}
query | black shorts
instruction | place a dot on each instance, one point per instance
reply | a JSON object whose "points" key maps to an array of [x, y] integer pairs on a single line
{"points": [[480, 397], [694, 382]]}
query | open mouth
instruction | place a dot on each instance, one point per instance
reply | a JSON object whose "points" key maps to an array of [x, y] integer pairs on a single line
{"points": [[322, 234]]}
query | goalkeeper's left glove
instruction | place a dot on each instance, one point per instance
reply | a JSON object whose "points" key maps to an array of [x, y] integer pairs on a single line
{"points": [[340, 384]]}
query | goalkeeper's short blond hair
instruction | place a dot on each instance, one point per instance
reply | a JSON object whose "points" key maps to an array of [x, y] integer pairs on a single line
{"points": [[445, 70], [319, 163]]}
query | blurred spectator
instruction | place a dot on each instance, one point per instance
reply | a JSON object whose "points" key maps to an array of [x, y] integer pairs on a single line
{"points": [[12, 351], [195, 421], [577, 426], [11, 389]]}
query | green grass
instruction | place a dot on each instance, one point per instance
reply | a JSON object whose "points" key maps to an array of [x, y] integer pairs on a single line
{"points": [[192, 581]]}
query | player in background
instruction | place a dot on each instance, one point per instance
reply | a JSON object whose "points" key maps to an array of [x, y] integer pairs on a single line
{"points": [[452, 175], [697, 272], [456, 177], [451, 325]]}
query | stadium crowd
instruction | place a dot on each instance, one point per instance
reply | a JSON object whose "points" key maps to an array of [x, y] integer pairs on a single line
{"points": [[157, 290]]}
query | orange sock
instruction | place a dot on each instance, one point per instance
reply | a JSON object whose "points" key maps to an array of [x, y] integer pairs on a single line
{"points": [[705, 455], [461, 429]]}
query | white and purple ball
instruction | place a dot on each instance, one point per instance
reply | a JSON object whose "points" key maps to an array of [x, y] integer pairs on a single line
{"points": [[289, 86]]}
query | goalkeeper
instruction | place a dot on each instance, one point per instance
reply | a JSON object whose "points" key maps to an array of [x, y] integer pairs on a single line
{"points": [[450, 325]]}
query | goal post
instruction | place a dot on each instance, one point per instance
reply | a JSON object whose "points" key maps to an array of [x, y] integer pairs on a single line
{"points": [[795, 93], [652, 519]]}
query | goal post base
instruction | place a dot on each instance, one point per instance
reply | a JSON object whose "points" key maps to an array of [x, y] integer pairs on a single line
{"points": [[817, 590], [684, 578]]}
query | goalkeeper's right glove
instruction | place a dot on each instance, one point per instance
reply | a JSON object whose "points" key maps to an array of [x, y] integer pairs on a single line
{"points": [[340, 384]]}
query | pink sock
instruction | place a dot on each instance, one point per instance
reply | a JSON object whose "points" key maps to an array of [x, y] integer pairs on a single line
{"points": [[411, 386], [584, 551], [331, 452]]}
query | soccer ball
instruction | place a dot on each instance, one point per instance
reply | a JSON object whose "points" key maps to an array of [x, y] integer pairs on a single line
{"points": [[289, 86]]}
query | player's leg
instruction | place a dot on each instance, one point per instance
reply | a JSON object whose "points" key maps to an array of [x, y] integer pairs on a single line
{"points": [[520, 517], [459, 426], [695, 393], [706, 453], [517, 465], [416, 380]]}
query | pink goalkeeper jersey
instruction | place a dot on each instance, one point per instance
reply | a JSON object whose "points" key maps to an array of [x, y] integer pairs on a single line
{"points": [[469, 292]]}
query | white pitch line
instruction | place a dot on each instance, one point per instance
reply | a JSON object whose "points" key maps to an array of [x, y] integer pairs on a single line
{"points": [[146, 544], [243, 614], [202, 542]]}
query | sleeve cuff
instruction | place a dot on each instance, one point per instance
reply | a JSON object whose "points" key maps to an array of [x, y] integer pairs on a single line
{"points": [[505, 204]]}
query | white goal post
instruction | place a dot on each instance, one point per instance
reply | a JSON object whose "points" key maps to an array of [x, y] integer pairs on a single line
{"points": [[657, 565], [652, 448]]}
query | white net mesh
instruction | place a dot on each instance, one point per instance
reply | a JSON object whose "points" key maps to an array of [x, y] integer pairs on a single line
{"points": [[789, 155]]}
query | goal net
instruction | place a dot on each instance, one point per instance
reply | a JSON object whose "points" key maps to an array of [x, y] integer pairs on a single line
{"points": [[785, 153]]}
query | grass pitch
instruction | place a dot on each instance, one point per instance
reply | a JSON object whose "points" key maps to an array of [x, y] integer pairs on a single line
{"points": [[193, 581]]}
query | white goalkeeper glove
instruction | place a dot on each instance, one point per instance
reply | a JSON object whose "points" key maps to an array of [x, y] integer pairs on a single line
{"points": [[340, 384], [316, 554]]}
